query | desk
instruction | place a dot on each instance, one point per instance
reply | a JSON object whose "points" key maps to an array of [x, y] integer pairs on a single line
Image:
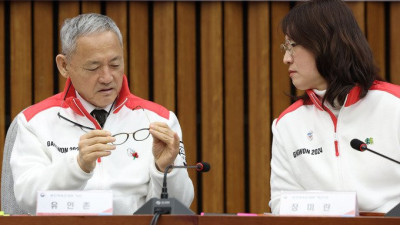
{"points": [[97, 220], [195, 220], [284, 220]]}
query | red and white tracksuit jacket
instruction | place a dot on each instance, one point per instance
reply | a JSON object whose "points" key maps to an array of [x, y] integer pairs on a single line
{"points": [[311, 148], [45, 152]]}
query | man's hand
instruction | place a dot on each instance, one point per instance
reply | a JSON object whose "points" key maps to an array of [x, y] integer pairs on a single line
{"points": [[94, 145], [165, 144]]}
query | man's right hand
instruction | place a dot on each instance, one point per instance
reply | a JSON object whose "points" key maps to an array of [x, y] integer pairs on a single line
{"points": [[93, 145]]}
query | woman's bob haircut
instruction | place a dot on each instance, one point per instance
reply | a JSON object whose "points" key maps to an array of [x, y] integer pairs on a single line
{"points": [[343, 57]]}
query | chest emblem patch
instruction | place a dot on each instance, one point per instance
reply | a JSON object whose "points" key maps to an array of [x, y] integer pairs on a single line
{"points": [[310, 135], [132, 153], [369, 141]]}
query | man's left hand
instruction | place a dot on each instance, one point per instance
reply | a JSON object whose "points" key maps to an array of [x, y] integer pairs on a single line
{"points": [[165, 144]]}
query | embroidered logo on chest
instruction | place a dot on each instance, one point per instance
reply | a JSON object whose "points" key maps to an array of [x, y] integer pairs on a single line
{"points": [[132, 153], [369, 141], [310, 135]]}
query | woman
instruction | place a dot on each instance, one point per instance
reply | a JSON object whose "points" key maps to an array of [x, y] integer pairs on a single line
{"points": [[329, 58]]}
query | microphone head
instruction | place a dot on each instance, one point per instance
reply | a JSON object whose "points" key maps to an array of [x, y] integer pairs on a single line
{"points": [[203, 167], [358, 145]]}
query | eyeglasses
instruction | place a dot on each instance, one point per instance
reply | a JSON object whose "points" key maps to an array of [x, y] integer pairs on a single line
{"points": [[120, 138], [139, 135], [288, 46], [75, 123]]}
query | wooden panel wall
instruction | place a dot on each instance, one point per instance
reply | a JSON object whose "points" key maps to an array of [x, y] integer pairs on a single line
{"points": [[259, 109], [3, 125], [211, 88], [43, 60], [234, 104], [394, 44], [216, 64], [139, 48], [186, 83]]}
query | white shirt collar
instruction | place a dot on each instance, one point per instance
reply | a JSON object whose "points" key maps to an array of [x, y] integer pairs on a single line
{"points": [[320, 93], [89, 107]]}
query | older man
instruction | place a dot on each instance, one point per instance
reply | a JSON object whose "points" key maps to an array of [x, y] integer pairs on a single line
{"points": [[96, 134]]}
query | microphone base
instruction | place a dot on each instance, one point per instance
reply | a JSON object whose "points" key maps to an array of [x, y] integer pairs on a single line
{"points": [[395, 212], [164, 206]]}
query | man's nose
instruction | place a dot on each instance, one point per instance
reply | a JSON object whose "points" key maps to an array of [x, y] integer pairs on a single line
{"points": [[106, 75]]}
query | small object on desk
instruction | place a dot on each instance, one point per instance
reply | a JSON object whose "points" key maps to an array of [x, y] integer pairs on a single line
{"points": [[234, 214], [247, 214], [3, 214], [217, 214]]}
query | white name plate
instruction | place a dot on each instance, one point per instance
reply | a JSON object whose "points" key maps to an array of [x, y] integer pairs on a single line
{"points": [[75, 202], [319, 203]]}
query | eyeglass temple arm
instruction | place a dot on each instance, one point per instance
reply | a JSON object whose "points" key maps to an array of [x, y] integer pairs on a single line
{"points": [[76, 124]]}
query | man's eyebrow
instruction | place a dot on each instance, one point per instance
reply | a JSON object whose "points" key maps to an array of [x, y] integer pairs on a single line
{"points": [[94, 62], [90, 63], [116, 58]]}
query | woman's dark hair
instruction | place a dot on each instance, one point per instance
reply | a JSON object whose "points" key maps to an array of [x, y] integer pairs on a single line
{"points": [[343, 57]]}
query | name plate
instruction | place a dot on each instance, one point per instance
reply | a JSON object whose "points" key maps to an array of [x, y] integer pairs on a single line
{"points": [[319, 203], [75, 202]]}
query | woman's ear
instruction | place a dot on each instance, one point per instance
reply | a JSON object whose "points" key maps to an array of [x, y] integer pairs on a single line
{"points": [[61, 61]]}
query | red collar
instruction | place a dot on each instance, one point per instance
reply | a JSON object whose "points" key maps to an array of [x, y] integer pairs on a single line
{"points": [[72, 101], [352, 97]]}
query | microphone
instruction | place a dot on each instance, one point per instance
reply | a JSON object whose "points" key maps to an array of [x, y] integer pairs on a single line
{"points": [[200, 167], [361, 146], [165, 205]]}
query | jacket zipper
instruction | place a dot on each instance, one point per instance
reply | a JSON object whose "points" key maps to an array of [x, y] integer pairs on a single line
{"points": [[319, 105], [335, 141], [336, 145]]}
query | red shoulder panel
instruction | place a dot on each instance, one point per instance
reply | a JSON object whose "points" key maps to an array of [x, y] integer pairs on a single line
{"points": [[291, 108], [387, 87], [52, 101], [134, 101]]}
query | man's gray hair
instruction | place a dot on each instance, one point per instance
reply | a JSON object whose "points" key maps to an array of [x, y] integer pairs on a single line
{"points": [[85, 24]]}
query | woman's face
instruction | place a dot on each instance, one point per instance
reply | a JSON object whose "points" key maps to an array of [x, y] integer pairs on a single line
{"points": [[302, 67]]}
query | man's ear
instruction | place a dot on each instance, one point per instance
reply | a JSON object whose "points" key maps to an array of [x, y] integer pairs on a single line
{"points": [[61, 61]]}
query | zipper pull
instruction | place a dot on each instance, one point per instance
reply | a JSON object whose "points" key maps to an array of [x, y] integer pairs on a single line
{"points": [[336, 146]]}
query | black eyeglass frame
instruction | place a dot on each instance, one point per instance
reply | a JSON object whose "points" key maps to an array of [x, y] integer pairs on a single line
{"points": [[75, 123], [133, 134], [127, 134]]}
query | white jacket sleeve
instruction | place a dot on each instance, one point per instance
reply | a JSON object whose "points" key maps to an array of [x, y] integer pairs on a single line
{"points": [[282, 176], [179, 184], [35, 170]]}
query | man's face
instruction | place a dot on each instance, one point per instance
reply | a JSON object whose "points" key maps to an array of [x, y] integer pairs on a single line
{"points": [[96, 68]]}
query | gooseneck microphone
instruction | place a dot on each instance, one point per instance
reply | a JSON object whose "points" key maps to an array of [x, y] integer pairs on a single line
{"points": [[165, 205], [200, 167], [361, 146]]}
